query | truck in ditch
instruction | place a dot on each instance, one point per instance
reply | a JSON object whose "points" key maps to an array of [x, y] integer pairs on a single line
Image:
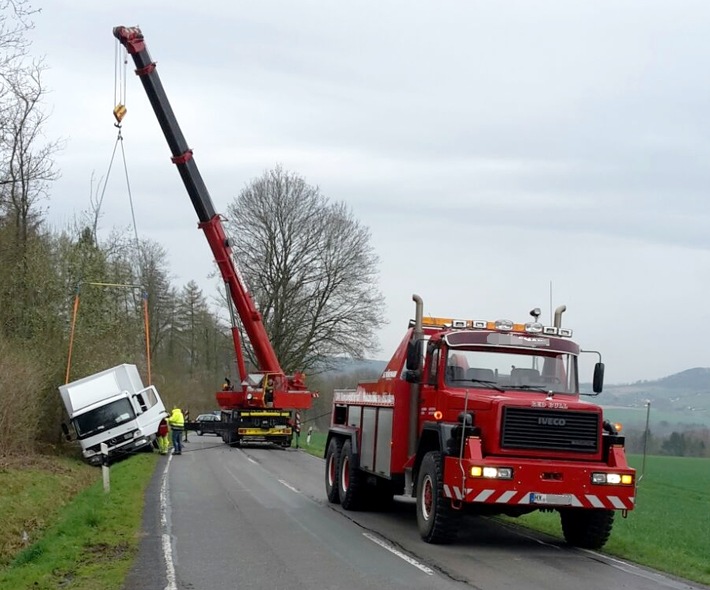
{"points": [[481, 417], [112, 408]]}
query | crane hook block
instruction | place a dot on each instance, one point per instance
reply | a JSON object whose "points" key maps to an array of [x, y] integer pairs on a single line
{"points": [[119, 111]]}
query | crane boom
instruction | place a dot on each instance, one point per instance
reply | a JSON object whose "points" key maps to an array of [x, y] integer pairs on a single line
{"points": [[209, 221]]}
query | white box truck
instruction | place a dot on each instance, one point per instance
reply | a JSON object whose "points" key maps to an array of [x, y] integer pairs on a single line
{"points": [[115, 408]]}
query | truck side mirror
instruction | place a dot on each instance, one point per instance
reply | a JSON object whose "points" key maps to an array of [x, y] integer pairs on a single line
{"points": [[65, 430], [598, 381], [414, 355], [411, 376]]}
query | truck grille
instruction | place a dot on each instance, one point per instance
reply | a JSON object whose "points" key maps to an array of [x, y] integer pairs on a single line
{"points": [[550, 430]]}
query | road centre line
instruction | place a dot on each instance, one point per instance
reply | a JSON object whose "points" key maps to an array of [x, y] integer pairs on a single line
{"points": [[400, 554], [289, 486], [252, 460]]}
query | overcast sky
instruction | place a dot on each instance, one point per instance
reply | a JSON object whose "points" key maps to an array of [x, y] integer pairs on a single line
{"points": [[492, 148]]}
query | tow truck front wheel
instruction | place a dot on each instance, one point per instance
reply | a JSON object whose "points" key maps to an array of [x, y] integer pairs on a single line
{"points": [[589, 529], [332, 465], [436, 519]]}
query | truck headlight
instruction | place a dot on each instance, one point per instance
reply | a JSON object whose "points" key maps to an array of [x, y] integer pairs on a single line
{"points": [[492, 472], [600, 478]]}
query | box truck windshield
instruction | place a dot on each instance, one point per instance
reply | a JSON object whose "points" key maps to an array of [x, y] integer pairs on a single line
{"points": [[104, 418]]}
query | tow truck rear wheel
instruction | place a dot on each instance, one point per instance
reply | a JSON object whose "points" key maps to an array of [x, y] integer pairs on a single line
{"points": [[332, 466], [436, 519], [351, 481], [589, 529]]}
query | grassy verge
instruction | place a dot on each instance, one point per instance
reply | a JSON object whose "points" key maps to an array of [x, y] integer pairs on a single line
{"points": [[317, 446], [33, 491], [92, 542]]}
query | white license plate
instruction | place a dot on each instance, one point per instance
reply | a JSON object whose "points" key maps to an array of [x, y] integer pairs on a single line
{"points": [[556, 499]]}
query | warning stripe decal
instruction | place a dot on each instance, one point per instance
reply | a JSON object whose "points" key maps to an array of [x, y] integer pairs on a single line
{"points": [[522, 498]]}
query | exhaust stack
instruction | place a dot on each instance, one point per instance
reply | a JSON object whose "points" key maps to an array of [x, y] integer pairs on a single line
{"points": [[417, 336], [558, 315]]}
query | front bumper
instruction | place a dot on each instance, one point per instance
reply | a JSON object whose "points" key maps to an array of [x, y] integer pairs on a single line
{"points": [[538, 484]]}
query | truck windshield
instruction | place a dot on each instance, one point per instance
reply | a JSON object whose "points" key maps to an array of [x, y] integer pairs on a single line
{"points": [[103, 418], [493, 368]]}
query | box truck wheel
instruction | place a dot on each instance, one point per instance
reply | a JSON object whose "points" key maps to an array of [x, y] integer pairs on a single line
{"points": [[351, 482], [589, 529], [332, 465], [436, 519]]}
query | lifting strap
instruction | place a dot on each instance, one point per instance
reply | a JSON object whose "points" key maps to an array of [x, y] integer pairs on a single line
{"points": [[146, 324]]}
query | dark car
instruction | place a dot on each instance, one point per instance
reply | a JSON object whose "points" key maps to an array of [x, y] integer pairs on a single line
{"points": [[208, 423]]}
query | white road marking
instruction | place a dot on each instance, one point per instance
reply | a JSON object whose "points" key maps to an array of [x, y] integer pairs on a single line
{"points": [[632, 568], [252, 460], [410, 560], [167, 547], [289, 486]]}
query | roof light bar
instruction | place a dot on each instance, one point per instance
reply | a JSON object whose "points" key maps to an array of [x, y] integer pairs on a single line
{"points": [[498, 325]]}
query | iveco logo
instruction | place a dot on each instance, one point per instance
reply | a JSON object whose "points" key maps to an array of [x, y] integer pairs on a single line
{"points": [[551, 421]]}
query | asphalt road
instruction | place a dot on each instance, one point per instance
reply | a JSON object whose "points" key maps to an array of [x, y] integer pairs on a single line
{"points": [[257, 518]]}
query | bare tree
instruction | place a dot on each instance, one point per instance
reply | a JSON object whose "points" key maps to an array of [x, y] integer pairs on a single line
{"points": [[310, 268], [15, 21], [26, 164]]}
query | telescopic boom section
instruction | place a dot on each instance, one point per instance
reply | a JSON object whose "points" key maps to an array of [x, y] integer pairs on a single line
{"points": [[210, 222]]}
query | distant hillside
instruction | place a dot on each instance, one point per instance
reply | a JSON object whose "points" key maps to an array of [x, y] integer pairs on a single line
{"points": [[679, 398]]}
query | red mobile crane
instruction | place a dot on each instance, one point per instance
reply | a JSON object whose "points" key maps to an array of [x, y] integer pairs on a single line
{"points": [[481, 417], [260, 408]]}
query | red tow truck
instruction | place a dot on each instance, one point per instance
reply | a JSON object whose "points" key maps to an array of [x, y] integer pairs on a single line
{"points": [[261, 408], [481, 417]]}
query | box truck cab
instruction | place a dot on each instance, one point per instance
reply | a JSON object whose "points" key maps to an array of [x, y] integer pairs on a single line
{"points": [[115, 408]]}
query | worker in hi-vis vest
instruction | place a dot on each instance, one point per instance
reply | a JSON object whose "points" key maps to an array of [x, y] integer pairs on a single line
{"points": [[177, 425]]}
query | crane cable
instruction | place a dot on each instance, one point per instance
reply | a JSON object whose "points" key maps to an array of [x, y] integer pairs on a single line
{"points": [[119, 111]]}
